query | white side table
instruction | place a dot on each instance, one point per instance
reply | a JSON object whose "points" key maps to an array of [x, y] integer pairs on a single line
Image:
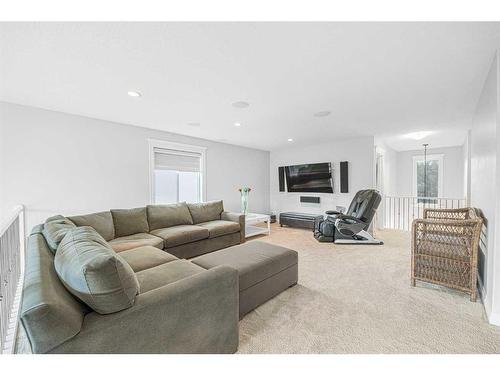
{"points": [[251, 220]]}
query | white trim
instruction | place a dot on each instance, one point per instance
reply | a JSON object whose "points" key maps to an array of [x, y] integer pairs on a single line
{"points": [[157, 143], [379, 177], [439, 158], [494, 318]]}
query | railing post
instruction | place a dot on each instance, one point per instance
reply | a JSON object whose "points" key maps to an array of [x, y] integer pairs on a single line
{"points": [[401, 211], [11, 276]]}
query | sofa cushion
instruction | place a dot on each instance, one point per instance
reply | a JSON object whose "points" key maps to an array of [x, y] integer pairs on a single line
{"points": [[54, 230], [181, 234], [217, 228], [167, 273], [168, 215], [55, 217], [130, 221], [254, 260], [94, 273], [145, 257], [136, 240], [206, 211], [102, 222]]}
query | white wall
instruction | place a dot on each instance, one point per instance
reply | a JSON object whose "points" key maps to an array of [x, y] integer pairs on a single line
{"points": [[358, 152], [389, 167], [453, 171], [485, 175], [59, 163]]}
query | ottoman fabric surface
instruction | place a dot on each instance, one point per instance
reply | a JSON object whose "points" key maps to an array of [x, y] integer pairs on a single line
{"points": [[254, 260], [264, 270]]}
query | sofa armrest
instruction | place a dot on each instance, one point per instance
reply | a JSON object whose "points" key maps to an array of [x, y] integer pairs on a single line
{"points": [[238, 218], [197, 314]]}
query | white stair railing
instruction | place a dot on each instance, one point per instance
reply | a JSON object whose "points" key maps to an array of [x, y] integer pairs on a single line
{"points": [[11, 276], [399, 212]]}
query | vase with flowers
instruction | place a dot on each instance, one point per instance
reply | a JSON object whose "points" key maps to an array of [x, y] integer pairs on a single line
{"points": [[244, 191]]}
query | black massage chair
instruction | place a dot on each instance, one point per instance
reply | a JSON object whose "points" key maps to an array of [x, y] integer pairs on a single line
{"points": [[351, 227]]}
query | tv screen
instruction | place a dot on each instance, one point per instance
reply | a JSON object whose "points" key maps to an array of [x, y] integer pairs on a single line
{"points": [[309, 178]]}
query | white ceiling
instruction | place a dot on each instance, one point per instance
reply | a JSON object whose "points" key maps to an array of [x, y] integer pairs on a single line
{"points": [[434, 138], [383, 79]]}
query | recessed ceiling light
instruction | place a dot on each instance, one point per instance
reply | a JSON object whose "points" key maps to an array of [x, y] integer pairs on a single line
{"points": [[322, 114], [237, 124], [418, 135], [195, 124], [134, 94], [240, 104], [290, 139]]}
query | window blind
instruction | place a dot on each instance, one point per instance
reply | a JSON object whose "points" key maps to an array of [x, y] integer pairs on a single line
{"points": [[175, 160]]}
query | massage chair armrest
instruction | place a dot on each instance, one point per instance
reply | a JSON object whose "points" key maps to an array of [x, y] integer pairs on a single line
{"points": [[197, 314], [332, 212], [237, 218], [349, 225], [348, 217]]}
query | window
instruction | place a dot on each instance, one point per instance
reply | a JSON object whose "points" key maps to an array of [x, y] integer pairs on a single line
{"points": [[177, 172], [428, 183]]}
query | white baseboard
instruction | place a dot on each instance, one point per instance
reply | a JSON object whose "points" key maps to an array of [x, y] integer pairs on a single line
{"points": [[493, 317]]}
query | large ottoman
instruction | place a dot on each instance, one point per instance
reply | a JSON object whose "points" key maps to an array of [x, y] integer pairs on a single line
{"points": [[265, 270]]}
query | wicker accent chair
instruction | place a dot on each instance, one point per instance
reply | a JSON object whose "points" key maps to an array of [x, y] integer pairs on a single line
{"points": [[445, 247]]}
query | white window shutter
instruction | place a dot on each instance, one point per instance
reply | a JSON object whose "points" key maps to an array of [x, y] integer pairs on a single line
{"points": [[175, 160]]}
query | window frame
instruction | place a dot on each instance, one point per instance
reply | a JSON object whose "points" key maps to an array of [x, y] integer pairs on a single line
{"points": [[181, 147], [437, 157]]}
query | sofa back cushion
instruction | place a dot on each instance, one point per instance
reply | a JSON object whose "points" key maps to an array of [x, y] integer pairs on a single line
{"points": [[207, 211], [168, 215], [90, 269], [102, 222], [54, 230], [130, 221]]}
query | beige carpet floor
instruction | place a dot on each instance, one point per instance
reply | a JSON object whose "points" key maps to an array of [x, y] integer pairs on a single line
{"points": [[358, 299]]}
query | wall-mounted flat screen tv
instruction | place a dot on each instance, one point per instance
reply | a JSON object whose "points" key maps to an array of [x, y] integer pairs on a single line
{"points": [[309, 178]]}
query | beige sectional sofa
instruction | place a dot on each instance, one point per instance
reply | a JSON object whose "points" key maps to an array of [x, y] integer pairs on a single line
{"points": [[118, 281], [185, 230]]}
